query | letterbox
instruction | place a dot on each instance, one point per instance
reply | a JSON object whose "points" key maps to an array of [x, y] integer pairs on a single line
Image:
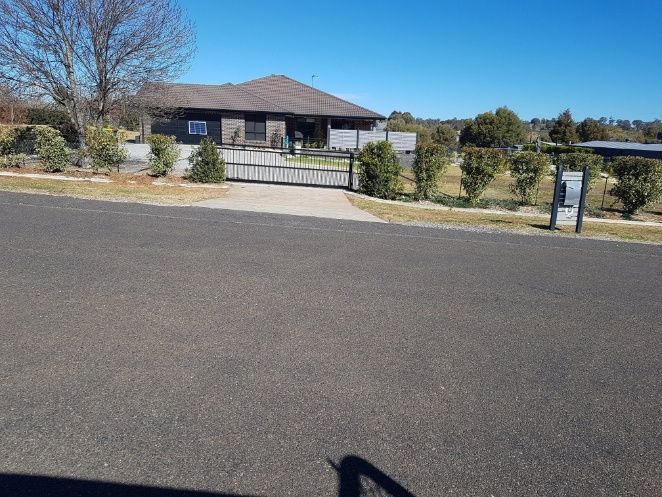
{"points": [[573, 192]]}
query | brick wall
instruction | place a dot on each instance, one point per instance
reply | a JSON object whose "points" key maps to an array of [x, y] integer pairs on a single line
{"points": [[232, 121]]}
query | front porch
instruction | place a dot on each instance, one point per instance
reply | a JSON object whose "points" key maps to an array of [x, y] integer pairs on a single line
{"points": [[312, 131]]}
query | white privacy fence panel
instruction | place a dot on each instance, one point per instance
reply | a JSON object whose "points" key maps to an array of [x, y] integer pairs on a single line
{"points": [[402, 140], [344, 139], [366, 137]]}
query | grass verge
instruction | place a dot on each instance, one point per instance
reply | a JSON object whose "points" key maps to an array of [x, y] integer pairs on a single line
{"points": [[503, 221], [127, 188], [498, 194]]}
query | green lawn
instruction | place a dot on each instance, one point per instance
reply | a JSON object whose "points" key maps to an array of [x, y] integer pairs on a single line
{"points": [[322, 162]]}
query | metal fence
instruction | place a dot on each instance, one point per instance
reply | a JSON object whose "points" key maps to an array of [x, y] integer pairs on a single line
{"points": [[298, 167]]}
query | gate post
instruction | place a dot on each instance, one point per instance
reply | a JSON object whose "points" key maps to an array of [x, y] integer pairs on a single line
{"points": [[555, 201], [350, 183]]}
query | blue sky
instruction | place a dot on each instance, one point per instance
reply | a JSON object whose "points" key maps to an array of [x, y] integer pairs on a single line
{"points": [[445, 59]]}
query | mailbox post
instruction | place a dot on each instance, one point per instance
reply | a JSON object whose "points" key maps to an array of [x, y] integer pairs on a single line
{"points": [[569, 198]]}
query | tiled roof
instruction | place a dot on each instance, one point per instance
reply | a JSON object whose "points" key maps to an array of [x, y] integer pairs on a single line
{"points": [[277, 94], [216, 97], [302, 99]]}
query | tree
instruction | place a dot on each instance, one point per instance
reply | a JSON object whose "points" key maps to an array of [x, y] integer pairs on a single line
{"points": [[590, 129], [207, 165], [654, 130], [624, 124], [499, 129], [163, 154], [379, 172], [445, 136], [528, 169], [55, 118], [564, 130], [479, 167], [575, 161], [51, 149], [105, 149], [86, 54], [430, 164], [639, 182]]}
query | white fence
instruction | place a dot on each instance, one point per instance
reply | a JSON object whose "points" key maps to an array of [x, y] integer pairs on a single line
{"points": [[351, 139]]}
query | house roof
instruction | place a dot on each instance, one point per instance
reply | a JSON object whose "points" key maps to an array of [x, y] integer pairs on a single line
{"points": [[653, 147], [277, 94], [302, 99], [212, 97]]}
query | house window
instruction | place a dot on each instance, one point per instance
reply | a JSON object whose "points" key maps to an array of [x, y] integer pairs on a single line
{"points": [[256, 127], [197, 128]]}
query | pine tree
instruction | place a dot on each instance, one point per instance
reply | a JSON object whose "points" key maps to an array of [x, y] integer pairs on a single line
{"points": [[207, 165]]}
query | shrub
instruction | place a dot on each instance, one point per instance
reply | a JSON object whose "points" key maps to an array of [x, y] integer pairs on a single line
{"points": [[163, 153], [639, 182], [207, 165], [430, 164], [7, 140], [55, 118], [105, 149], [51, 149], [379, 174], [575, 161], [527, 170], [480, 166], [13, 160]]}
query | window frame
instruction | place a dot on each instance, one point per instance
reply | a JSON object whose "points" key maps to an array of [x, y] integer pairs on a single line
{"points": [[192, 132], [252, 135]]}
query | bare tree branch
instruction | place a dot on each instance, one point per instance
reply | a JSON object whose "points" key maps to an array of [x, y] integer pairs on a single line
{"points": [[87, 54]]}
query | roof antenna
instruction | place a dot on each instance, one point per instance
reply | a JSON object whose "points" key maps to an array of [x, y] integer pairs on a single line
{"points": [[312, 80]]}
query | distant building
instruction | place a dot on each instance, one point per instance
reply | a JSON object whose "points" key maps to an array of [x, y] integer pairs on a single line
{"points": [[609, 149]]}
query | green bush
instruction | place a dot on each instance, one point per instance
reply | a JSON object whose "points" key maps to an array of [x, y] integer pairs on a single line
{"points": [[12, 160], [51, 149], [479, 167], [639, 182], [527, 170], [207, 165], [379, 173], [7, 140], [575, 161], [55, 118], [163, 153], [105, 149], [430, 164]]}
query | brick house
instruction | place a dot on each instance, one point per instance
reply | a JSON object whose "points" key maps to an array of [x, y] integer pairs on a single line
{"points": [[268, 111]]}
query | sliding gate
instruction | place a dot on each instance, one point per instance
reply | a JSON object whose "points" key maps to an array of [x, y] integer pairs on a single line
{"points": [[298, 167]]}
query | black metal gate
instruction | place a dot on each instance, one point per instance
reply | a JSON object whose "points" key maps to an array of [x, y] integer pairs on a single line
{"points": [[297, 167]]}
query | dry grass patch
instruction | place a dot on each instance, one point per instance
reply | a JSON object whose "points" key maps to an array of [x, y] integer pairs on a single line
{"points": [[505, 222], [500, 189], [124, 187]]}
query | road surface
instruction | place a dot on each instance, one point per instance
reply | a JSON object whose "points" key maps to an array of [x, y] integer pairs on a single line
{"points": [[237, 353]]}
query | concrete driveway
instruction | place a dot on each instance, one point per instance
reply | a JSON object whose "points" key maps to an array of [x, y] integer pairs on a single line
{"points": [[294, 200]]}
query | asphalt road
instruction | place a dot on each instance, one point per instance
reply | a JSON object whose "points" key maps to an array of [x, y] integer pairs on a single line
{"points": [[146, 347]]}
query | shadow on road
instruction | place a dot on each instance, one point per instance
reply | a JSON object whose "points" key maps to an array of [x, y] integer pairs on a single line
{"points": [[356, 478]]}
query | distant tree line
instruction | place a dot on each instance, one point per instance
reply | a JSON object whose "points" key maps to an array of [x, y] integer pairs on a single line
{"points": [[503, 128]]}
